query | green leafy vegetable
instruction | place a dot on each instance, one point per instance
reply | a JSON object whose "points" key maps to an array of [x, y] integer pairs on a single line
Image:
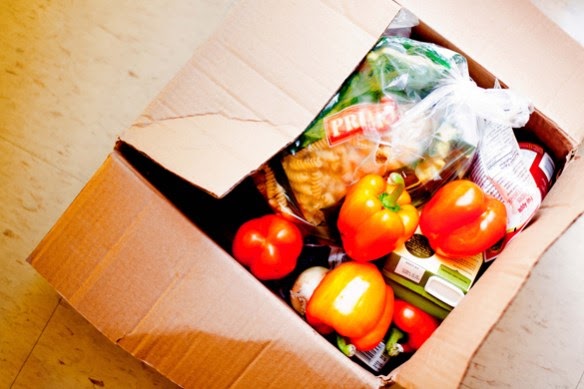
{"points": [[405, 69]]}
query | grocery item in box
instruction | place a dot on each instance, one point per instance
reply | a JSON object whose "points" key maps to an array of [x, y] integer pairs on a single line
{"points": [[370, 126], [409, 107], [434, 283], [508, 172], [540, 163]]}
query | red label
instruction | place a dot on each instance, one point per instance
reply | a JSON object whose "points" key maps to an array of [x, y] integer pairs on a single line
{"points": [[541, 165], [359, 119]]}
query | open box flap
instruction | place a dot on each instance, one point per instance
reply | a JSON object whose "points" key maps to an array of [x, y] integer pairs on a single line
{"points": [[255, 86], [140, 272], [519, 45]]}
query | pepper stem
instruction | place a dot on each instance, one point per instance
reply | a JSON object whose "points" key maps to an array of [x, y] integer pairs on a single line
{"points": [[347, 348], [393, 347], [395, 186]]}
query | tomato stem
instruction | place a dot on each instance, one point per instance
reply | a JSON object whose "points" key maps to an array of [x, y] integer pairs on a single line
{"points": [[393, 347], [395, 186], [347, 348]]}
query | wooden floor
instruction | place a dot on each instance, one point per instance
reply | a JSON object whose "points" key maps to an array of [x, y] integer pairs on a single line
{"points": [[73, 74]]}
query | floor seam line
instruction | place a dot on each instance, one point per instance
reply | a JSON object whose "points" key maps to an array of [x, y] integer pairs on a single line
{"points": [[580, 380], [40, 158], [35, 343]]}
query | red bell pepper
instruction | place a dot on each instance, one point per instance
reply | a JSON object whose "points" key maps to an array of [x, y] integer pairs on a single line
{"points": [[461, 220], [376, 216], [269, 245]]}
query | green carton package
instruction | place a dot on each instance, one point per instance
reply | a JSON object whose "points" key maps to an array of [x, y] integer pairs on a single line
{"points": [[434, 283]]}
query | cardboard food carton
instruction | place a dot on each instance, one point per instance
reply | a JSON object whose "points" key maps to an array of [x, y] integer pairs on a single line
{"points": [[430, 281], [143, 251]]}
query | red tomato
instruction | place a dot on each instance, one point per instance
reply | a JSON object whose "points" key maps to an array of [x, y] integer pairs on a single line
{"points": [[418, 324], [269, 246]]}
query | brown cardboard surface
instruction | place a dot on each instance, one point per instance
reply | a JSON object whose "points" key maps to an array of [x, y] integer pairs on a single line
{"points": [[147, 278], [255, 85]]}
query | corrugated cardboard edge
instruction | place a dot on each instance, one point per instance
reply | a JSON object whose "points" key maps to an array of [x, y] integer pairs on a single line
{"points": [[460, 337], [130, 270]]}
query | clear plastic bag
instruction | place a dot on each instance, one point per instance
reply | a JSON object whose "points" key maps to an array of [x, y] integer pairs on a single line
{"points": [[402, 24], [409, 107], [499, 168]]}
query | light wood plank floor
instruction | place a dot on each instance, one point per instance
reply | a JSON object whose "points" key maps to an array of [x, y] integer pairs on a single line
{"points": [[72, 76]]}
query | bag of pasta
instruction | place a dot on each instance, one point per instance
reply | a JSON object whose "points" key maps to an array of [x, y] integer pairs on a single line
{"points": [[406, 108]]}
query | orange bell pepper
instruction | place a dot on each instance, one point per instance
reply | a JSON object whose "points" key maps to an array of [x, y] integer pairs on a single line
{"points": [[376, 216], [376, 335], [350, 300], [461, 220], [371, 339]]}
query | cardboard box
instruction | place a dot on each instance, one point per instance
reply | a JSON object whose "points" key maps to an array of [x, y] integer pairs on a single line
{"points": [[142, 251]]}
